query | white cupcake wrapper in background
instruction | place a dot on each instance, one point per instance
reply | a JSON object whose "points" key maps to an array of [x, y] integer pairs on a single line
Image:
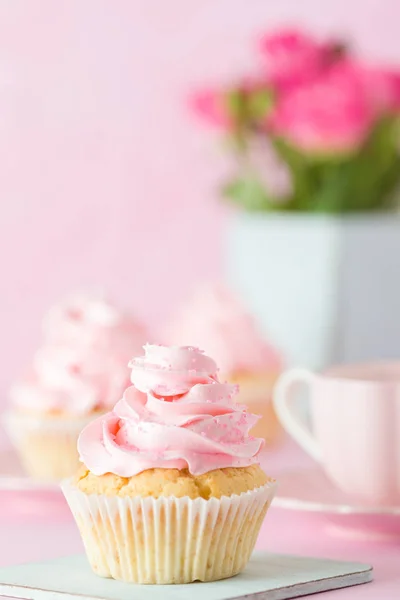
{"points": [[46, 446], [168, 540]]}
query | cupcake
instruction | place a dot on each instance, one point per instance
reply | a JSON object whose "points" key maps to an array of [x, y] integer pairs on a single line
{"points": [[75, 376], [217, 322], [170, 490]]}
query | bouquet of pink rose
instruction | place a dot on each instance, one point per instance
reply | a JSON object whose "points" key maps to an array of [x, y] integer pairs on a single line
{"points": [[317, 131]]}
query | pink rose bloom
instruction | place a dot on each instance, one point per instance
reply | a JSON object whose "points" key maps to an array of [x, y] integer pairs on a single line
{"points": [[212, 106], [293, 57], [384, 88], [381, 86], [329, 115]]}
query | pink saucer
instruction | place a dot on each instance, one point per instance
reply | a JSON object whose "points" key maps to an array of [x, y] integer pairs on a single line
{"points": [[310, 490]]}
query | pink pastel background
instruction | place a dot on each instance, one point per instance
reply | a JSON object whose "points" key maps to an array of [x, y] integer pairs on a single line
{"points": [[105, 178]]}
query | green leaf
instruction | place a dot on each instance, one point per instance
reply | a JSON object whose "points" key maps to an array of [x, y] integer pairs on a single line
{"points": [[249, 193], [235, 102], [259, 104], [248, 107]]}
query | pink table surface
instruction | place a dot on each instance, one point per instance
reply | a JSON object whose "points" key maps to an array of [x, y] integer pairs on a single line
{"points": [[33, 529]]}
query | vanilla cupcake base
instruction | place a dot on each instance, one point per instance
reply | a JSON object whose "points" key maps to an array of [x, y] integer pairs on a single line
{"points": [[168, 540], [45, 444]]}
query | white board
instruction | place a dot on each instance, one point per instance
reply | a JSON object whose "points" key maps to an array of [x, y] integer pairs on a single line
{"points": [[267, 577]]}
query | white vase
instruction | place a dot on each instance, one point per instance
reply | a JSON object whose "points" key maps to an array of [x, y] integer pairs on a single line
{"points": [[326, 289]]}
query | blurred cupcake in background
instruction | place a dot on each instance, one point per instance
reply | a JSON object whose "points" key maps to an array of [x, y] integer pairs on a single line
{"points": [[77, 373], [215, 320]]}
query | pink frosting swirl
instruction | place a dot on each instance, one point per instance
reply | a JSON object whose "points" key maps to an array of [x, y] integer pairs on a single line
{"points": [[82, 364], [176, 415]]}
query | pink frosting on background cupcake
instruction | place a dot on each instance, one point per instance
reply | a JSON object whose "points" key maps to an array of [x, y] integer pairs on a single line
{"points": [[82, 363], [176, 415], [216, 321]]}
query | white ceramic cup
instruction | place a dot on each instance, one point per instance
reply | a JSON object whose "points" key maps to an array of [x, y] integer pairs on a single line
{"points": [[355, 426]]}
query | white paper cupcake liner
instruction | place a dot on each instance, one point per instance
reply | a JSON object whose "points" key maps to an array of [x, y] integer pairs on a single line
{"points": [[46, 446], [168, 540]]}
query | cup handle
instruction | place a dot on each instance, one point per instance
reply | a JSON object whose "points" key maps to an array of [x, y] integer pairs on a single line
{"points": [[283, 407]]}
